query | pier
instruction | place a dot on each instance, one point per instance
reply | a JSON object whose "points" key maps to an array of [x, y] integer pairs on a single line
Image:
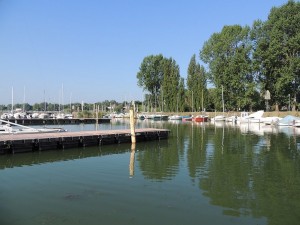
{"points": [[50, 121], [20, 143]]}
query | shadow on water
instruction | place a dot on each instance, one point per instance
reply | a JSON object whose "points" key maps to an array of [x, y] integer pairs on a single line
{"points": [[34, 158]]}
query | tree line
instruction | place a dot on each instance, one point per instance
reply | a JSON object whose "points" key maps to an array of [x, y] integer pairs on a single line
{"points": [[246, 66], [104, 106]]}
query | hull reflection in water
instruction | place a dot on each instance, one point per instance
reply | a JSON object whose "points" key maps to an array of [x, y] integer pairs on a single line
{"points": [[203, 174]]}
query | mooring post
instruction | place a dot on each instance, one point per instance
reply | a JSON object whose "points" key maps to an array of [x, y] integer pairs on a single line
{"points": [[132, 123]]}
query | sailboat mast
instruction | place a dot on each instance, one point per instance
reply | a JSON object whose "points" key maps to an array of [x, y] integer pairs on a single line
{"points": [[192, 101], [177, 103], [202, 102], [12, 100], [24, 100], [62, 97], [44, 101], [223, 100]]}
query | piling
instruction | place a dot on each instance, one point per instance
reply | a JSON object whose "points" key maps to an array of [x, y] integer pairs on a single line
{"points": [[132, 128]]}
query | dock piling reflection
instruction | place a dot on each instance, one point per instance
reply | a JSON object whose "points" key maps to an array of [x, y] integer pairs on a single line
{"points": [[131, 163]]}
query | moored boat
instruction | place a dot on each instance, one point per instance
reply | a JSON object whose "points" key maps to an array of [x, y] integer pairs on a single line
{"points": [[175, 117], [252, 118], [296, 123], [160, 117], [141, 117], [200, 118], [288, 121], [14, 128], [219, 118], [187, 118]]}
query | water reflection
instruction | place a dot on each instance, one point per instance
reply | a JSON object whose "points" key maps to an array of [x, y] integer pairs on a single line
{"points": [[131, 163], [248, 171]]}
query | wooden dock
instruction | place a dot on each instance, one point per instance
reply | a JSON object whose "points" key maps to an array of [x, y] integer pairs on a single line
{"points": [[19, 143], [50, 121]]}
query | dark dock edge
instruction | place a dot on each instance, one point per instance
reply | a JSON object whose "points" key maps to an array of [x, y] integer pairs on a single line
{"points": [[50, 121], [23, 145]]}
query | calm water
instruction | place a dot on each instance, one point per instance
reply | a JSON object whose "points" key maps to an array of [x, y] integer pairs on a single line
{"points": [[203, 174]]}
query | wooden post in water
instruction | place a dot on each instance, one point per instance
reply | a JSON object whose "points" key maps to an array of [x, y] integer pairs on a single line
{"points": [[132, 123], [97, 119]]}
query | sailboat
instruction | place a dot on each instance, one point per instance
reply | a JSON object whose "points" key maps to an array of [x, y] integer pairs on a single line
{"points": [[201, 118], [220, 117], [176, 117], [13, 128]]}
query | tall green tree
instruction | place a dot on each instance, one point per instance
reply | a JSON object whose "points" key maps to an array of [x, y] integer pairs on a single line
{"points": [[150, 76], [196, 83], [170, 85], [277, 52], [191, 83], [228, 55], [181, 95]]}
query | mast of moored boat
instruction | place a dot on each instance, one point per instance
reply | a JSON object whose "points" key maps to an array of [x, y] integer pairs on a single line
{"points": [[223, 100], [24, 100], [12, 100], [202, 101]]}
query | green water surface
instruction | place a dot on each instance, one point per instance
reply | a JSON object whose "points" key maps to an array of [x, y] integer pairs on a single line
{"points": [[203, 174]]}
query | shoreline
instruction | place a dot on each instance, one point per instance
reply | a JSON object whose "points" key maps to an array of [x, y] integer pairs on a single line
{"points": [[230, 113]]}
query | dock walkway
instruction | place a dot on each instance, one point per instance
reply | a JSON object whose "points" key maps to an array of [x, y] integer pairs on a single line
{"points": [[50, 121], [18, 143]]}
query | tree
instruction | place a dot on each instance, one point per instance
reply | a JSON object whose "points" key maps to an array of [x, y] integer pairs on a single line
{"points": [[3, 107], [170, 85], [38, 107], [228, 55], [181, 95], [196, 83], [277, 52], [150, 76]]}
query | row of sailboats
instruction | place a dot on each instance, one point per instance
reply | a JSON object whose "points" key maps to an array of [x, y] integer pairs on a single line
{"points": [[7, 127], [221, 117]]}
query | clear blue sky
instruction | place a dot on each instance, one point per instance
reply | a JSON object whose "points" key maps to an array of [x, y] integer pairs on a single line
{"points": [[92, 49]]}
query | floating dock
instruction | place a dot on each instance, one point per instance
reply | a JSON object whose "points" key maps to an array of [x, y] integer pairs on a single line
{"points": [[49, 121], [19, 143]]}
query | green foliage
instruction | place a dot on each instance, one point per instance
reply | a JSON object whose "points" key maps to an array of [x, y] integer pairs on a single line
{"points": [[161, 77], [277, 52], [85, 114], [150, 76], [181, 96], [196, 83], [3, 107], [228, 55], [170, 85]]}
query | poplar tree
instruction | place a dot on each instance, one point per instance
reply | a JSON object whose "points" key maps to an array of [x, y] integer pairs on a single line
{"points": [[181, 95], [170, 84], [196, 83], [191, 83]]}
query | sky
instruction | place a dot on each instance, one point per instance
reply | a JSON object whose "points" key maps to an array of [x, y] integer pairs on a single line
{"points": [[63, 51]]}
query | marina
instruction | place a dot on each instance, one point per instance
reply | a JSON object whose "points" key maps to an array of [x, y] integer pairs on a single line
{"points": [[100, 123]]}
